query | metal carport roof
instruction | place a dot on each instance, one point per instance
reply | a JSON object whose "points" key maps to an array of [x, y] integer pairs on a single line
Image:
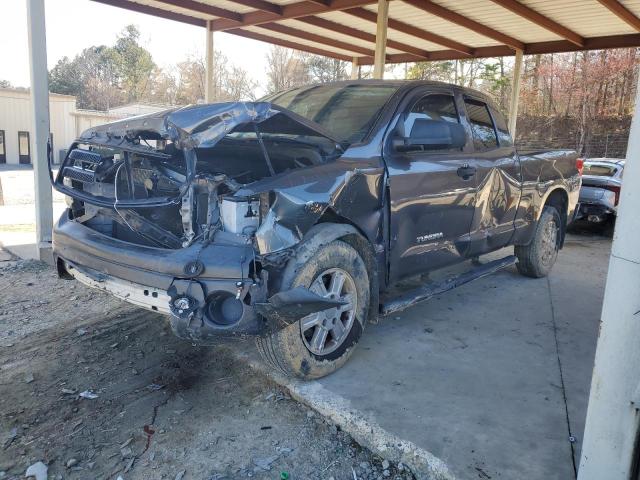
{"points": [[417, 29]]}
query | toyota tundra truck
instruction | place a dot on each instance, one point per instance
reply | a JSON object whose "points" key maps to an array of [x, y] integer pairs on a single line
{"points": [[289, 219]]}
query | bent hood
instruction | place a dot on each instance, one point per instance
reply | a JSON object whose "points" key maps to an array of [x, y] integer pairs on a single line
{"points": [[202, 126]]}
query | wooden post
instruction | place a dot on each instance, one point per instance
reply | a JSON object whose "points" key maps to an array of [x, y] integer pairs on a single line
{"points": [[354, 68], [209, 89], [515, 94], [381, 39]]}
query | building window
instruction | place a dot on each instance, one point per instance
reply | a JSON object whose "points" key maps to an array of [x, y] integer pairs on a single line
{"points": [[3, 151], [24, 147]]}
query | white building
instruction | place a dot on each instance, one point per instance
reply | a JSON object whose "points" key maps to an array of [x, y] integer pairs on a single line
{"points": [[67, 122], [15, 124]]}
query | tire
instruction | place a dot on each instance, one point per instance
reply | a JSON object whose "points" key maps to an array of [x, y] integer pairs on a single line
{"points": [[297, 350], [536, 259]]}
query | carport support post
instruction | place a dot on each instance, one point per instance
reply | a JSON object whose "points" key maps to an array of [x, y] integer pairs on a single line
{"points": [[355, 69], [611, 438], [381, 39], [515, 93], [40, 116], [209, 87]]}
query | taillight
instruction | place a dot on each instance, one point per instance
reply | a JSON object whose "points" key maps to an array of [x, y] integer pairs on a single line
{"points": [[615, 189], [580, 165]]}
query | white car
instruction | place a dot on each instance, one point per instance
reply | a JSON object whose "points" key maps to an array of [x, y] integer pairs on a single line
{"points": [[600, 192]]}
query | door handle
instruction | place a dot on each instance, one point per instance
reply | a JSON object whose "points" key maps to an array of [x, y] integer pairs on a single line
{"points": [[466, 171]]}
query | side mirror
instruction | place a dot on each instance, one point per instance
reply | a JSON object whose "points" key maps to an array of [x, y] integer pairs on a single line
{"points": [[432, 135]]}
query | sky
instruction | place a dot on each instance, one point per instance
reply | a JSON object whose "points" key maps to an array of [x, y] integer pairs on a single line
{"points": [[73, 25]]}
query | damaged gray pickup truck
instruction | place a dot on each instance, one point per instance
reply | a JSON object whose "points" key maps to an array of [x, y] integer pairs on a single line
{"points": [[288, 219]]}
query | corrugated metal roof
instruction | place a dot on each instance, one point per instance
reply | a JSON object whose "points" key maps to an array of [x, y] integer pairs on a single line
{"points": [[424, 29], [498, 18]]}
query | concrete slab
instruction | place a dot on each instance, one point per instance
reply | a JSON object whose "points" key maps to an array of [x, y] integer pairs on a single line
{"points": [[17, 185], [475, 380]]}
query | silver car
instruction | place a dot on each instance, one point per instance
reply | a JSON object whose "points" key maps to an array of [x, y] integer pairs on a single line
{"points": [[600, 192]]}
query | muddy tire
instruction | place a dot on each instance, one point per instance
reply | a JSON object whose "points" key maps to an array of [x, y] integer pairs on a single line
{"points": [[536, 259], [319, 344]]}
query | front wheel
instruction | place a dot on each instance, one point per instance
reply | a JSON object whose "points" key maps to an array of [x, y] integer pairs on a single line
{"points": [[536, 259], [320, 343]]}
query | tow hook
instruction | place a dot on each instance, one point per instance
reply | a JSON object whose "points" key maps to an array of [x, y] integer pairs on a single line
{"points": [[183, 306], [239, 287]]}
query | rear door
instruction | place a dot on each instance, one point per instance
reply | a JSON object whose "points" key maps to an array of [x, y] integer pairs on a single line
{"points": [[497, 178], [432, 204]]}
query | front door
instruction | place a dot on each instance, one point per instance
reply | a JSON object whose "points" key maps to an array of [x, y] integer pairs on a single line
{"points": [[432, 199], [497, 177], [24, 148]]}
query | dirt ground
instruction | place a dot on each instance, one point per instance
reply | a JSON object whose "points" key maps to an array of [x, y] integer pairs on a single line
{"points": [[98, 389]]}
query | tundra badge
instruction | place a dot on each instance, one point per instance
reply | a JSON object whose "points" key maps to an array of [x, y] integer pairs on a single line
{"points": [[429, 237]]}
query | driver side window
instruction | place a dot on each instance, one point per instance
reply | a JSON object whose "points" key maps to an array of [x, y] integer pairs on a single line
{"points": [[440, 107]]}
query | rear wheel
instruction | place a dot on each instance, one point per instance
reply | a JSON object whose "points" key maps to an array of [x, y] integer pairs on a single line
{"points": [[536, 259], [322, 342]]}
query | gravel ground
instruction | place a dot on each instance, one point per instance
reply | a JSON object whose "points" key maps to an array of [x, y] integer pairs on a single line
{"points": [[97, 389]]}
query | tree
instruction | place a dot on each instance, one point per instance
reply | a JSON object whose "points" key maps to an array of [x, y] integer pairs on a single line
{"points": [[286, 69], [440, 71], [5, 84], [324, 69], [230, 82], [134, 63], [102, 76], [163, 87], [92, 76]]}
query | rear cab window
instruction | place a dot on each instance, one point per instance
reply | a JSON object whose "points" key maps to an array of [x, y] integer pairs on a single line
{"points": [[504, 137], [482, 128]]}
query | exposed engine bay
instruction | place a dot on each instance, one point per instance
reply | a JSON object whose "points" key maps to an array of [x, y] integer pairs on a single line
{"points": [[141, 187]]}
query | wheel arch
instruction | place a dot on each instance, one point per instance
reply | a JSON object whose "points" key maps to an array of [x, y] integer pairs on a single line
{"points": [[559, 199], [326, 232]]}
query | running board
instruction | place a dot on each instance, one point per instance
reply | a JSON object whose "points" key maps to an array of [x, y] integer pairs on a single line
{"points": [[427, 291]]}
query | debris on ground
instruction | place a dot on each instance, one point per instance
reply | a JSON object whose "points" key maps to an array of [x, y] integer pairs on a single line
{"points": [[88, 394], [38, 471]]}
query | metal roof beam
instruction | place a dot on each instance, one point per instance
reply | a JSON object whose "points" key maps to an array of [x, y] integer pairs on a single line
{"points": [[288, 44], [539, 19], [320, 22], [556, 46], [156, 12], [294, 32], [411, 30], [204, 8], [261, 5], [368, 37], [454, 17], [622, 12], [292, 10]]}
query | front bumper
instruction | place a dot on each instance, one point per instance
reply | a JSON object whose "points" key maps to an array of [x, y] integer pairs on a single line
{"points": [[221, 296]]}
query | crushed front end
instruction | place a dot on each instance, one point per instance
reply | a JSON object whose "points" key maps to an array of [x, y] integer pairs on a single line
{"points": [[161, 212]]}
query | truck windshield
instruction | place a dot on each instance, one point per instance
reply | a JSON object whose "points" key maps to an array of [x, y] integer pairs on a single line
{"points": [[347, 111]]}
